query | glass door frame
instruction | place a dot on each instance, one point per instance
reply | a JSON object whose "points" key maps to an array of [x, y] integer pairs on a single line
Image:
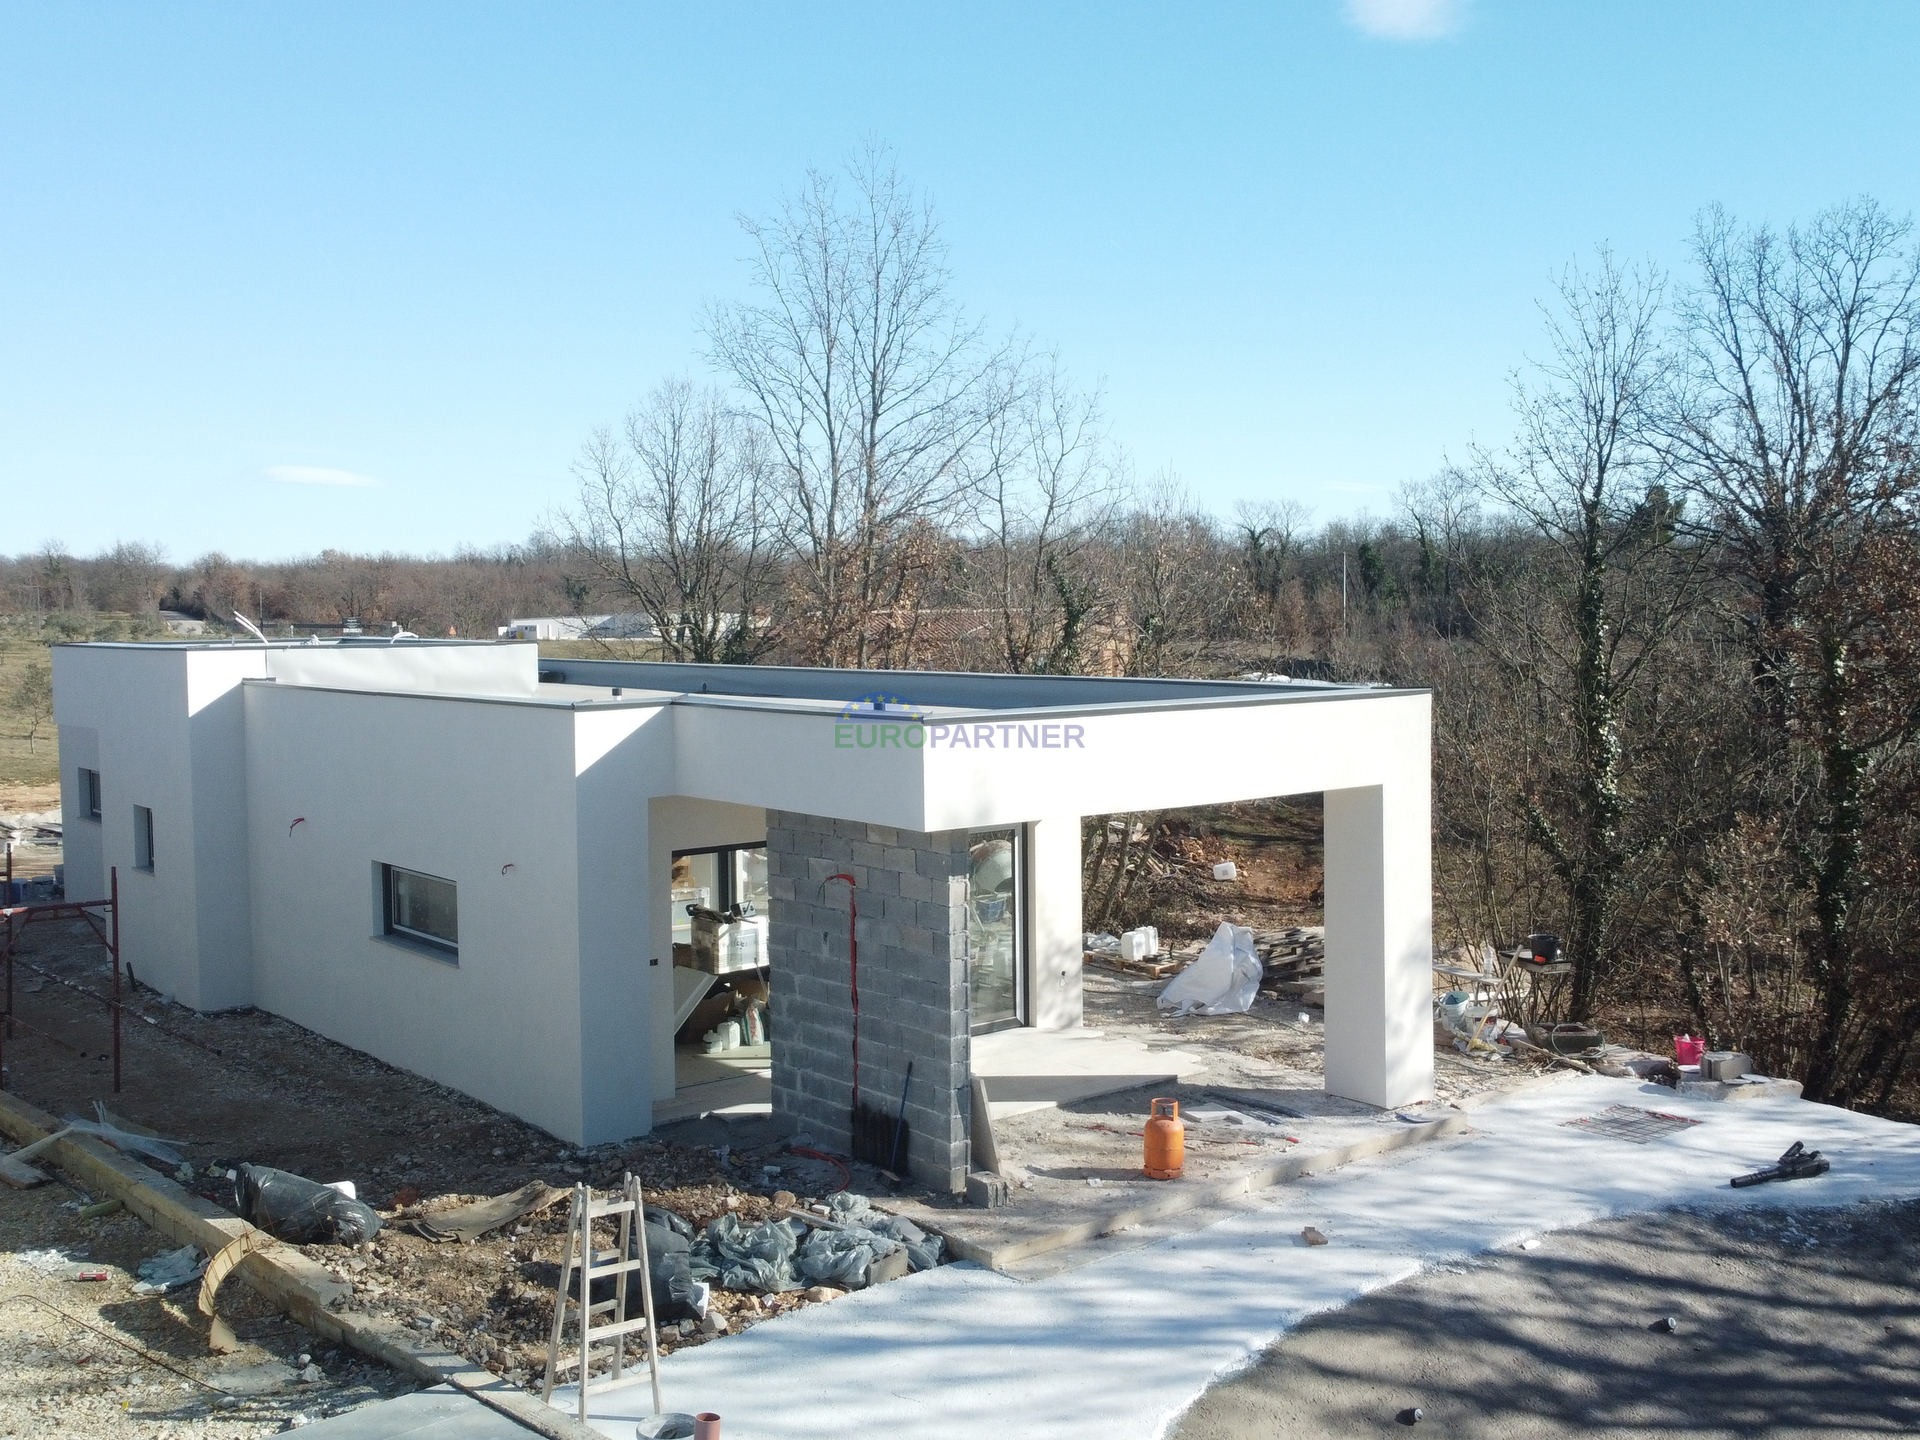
{"points": [[723, 873], [1022, 941]]}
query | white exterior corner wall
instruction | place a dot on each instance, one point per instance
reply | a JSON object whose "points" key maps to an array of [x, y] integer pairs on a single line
{"points": [[620, 754], [162, 725], [1055, 926]]}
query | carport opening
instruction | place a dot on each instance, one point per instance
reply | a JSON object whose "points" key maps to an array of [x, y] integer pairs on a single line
{"points": [[1156, 867]]}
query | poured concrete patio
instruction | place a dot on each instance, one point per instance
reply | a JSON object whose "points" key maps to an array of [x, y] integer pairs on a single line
{"points": [[1025, 1070]]}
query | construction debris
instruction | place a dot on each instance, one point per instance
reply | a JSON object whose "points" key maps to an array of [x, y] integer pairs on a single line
{"points": [[1797, 1163], [295, 1209], [467, 1223], [169, 1270], [1292, 961], [1222, 981]]}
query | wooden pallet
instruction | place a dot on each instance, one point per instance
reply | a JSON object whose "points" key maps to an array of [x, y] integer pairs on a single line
{"points": [[1159, 969]]}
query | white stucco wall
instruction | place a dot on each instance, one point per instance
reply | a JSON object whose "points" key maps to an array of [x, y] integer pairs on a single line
{"points": [[480, 794], [84, 843], [165, 734], [1054, 924], [507, 668], [620, 757]]}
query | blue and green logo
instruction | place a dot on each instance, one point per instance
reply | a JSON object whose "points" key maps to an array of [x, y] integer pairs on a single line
{"points": [[890, 722]]}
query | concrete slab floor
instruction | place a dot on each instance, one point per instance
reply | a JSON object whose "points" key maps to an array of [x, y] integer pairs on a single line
{"points": [[1074, 1169], [1118, 1349], [1029, 1070]]}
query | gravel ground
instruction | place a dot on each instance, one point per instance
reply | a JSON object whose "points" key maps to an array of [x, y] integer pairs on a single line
{"points": [[1272, 1033], [91, 1358], [249, 1086], [1790, 1325]]}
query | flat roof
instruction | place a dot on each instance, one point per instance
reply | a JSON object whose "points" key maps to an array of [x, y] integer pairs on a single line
{"points": [[936, 694], [941, 689]]}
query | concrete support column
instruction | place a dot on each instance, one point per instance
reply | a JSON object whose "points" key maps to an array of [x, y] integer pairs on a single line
{"points": [[1054, 924], [1379, 911], [911, 888]]}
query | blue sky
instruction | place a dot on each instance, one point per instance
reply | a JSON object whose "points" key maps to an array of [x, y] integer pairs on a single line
{"points": [[248, 252]]}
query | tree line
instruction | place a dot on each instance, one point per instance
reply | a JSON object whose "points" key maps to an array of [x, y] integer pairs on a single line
{"points": [[1670, 626]]}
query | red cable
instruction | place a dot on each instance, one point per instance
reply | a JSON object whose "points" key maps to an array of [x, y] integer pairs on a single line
{"points": [[846, 1175], [853, 970]]}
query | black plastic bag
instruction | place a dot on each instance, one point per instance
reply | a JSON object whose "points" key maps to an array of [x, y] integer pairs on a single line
{"points": [[300, 1211], [676, 1294]]}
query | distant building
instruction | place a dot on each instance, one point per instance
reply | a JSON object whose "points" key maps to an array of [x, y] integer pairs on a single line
{"points": [[629, 626], [552, 627]]}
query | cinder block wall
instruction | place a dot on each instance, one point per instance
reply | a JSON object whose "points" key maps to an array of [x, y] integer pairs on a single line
{"points": [[912, 898]]}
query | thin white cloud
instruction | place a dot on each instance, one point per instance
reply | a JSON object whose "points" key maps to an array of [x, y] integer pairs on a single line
{"points": [[1406, 19], [314, 475]]}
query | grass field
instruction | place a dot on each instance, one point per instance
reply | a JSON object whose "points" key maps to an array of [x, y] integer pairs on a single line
{"points": [[29, 747], [24, 761]]}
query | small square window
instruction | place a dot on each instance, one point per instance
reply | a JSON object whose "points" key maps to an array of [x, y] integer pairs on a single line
{"points": [[142, 838], [422, 908], [90, 793]]}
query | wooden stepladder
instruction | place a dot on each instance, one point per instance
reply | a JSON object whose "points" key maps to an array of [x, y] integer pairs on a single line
{"points": [[581, 1259]]}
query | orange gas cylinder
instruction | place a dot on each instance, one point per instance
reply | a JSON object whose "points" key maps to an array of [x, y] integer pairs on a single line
{"points": [[1166, 1141]]}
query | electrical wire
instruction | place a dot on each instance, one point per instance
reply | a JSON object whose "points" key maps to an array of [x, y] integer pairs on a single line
{"points": [[846, 1175], [141, 1351]]}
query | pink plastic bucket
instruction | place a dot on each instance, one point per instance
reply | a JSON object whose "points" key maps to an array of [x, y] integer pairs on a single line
{"points": [[1687, 1051]]}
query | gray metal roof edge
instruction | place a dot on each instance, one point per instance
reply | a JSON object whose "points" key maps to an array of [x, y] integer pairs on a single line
{"points": [[333, 642]]}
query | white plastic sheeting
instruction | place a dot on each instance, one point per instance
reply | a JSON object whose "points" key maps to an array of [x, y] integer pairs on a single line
{"points": [[1222, 981]]}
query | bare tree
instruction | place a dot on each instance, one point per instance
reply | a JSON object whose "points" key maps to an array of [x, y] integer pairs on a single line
{"points": [[668, 514], [1603, 593], [1042, 483], [867, 386], [33, 698], [1798, 438], [130, 577], [1271, 534], [1177, 587]]}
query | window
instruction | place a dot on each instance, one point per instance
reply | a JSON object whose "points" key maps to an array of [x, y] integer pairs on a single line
{"points": [[421, 908], [90, 793], [718, 879], [142, 838], [996, 934]]}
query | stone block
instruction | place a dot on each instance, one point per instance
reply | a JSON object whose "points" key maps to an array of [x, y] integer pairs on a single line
{"points": [[987, 1191], [933, 864]]}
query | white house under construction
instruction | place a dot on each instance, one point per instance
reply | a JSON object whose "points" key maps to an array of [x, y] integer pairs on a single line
{"points": [[525, 879]]}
